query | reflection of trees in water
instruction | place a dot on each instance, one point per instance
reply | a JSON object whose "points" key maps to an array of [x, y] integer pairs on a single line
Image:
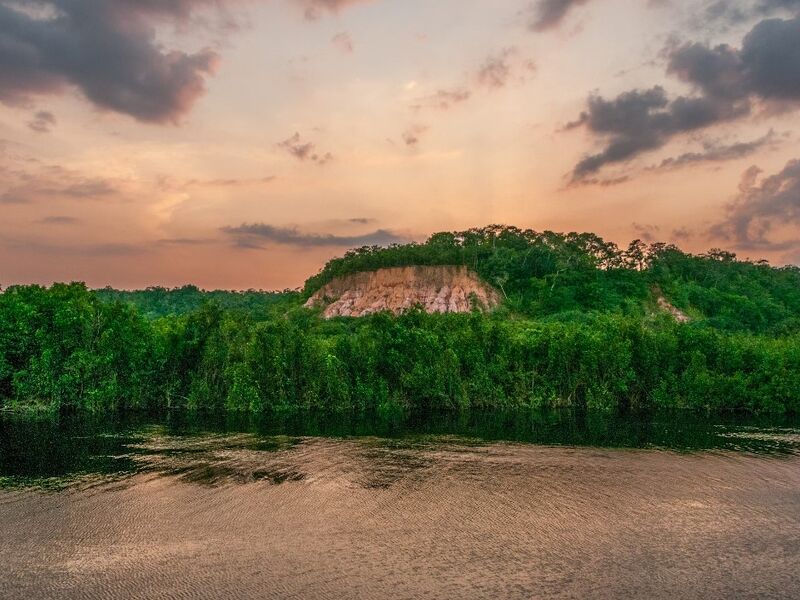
{"points": [[368, 452]]}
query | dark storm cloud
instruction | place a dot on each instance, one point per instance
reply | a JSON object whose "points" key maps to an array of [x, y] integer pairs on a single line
{"points": [[771, 55], [761, 208], [718, 153], [766, 66], [765, 6], [717, 72], [107, 49], [733, 12], [638, 121], [548, 14], [42, 121], [304, 151], [727, 81], [254, 235]]}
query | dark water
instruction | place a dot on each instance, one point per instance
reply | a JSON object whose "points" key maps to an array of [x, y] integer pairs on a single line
{"points": [[475, 506]]}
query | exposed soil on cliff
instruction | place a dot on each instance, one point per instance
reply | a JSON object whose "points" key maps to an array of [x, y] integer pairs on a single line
{"points": [[437, 289], [667, 306]]}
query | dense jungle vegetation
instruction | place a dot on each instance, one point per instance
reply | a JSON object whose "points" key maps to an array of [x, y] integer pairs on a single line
{"points": [[580, 327]]}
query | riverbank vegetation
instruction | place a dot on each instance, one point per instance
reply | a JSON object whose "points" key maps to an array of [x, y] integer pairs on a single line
{"points": [[582, 325]]}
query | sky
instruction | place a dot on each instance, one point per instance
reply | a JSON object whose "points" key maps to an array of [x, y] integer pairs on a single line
{"points": [[241, 144]]}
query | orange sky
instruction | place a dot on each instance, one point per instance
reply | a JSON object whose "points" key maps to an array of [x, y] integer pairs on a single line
{"points": [[242, 143]]}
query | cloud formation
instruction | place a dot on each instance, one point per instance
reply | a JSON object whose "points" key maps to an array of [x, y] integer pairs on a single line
{"points": [[184, 241], [638, 121], [315, 9], [549, 14], [713, 152], [766, 66], [761, 208], [412, 135], [443, 99], [255, 235], [58, 220], [304, 151], [646, 232], [42, 121], [499, 69], [107, 49], [343, 42], [228, 183], [167, 183], [728, 83], [738, 12], [57, 183], [95, 250]]}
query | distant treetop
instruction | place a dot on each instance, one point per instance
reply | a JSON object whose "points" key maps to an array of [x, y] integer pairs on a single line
{"points": [[542, 273]]}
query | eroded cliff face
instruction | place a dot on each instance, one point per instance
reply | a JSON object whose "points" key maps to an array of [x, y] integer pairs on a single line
{"points": [[437, 289]]}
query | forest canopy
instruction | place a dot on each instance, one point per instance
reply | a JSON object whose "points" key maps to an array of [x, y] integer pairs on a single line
{"points": [[547, 273], [580, 326]]}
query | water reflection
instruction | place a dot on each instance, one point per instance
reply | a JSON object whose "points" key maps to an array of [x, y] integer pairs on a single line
{"points": [[473, 506], [54, 453]]}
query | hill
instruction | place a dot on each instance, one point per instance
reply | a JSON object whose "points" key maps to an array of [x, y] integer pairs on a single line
{"points": [[582, 325], [543, 274], [435, 289]]}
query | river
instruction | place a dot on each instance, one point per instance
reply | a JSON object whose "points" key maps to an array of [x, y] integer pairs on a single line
{"points": [[470, 506]]}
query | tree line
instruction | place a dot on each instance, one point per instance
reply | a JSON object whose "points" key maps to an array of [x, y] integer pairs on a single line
{"points": [[579, 328], [546, 273]]}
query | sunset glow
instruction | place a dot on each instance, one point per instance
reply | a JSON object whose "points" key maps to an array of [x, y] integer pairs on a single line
{"points": [[240, 144]]}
